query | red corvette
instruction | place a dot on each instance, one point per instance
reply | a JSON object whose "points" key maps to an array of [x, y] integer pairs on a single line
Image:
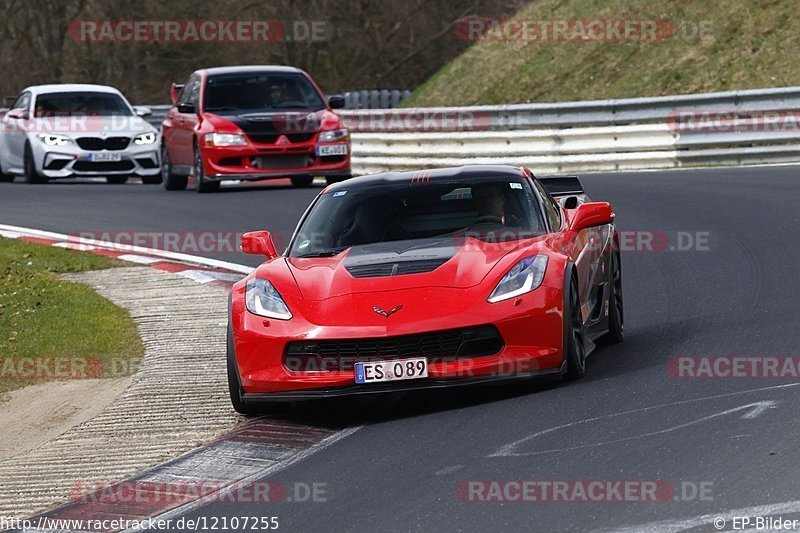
{"points": [[252, 123], [424, 279]]}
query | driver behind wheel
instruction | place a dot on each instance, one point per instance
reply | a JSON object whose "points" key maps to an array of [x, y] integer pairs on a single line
{"points": [[490, 202]]}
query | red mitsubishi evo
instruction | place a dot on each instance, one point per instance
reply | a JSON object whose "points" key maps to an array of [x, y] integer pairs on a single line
{"points": [[252, 123]]}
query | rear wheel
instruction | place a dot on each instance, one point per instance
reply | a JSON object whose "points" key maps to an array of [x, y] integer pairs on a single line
{"points": [[171, 181], [615, 307], [302, 181], [574, 338], [116, 180], [31, 174], [201, 183]]}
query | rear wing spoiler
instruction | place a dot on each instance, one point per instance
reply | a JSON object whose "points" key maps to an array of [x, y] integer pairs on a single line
{"points": [[562, 185]]}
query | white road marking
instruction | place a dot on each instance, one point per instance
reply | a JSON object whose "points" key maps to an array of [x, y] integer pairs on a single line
{"points": [[754, 410], [675, 526], [243, 483], [175, 256], [141, 259]]}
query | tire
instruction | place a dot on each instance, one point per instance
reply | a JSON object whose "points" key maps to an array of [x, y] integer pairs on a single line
{"points": [[330, 180], [234, 385], [116, 180], [171, 181], [31, 174], [574, 336], [4, 177], [616, 315], [302, 181], [151, 180], [202, 185]]}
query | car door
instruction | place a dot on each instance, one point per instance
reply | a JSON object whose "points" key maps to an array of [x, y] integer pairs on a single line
{"points": [[184, 119], [15, 124]]}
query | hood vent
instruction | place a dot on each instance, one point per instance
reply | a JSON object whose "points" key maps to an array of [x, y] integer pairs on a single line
{"points": [[395, 268]]}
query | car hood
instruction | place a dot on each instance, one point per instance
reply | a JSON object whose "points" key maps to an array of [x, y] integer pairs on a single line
{"points": [[279, 122], [400, 266]]}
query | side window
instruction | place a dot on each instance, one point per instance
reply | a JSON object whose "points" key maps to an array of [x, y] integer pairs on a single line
{"points": [[190, 91], [23, 101], [551, 210]]}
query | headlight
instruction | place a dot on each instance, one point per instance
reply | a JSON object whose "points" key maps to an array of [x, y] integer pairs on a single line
{"points": [[263, 300], [145, 138], [225, 139], [54, 140], [524, 277], [334, 135]]}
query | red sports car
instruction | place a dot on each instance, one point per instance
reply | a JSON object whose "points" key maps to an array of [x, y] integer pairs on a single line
{"points": [[252, 123], [424, 279]]}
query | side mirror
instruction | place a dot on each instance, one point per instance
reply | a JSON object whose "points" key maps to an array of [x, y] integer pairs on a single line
{"points": [[19, 114], [259, 243], [187, 108], [336, 101], [590, 215], [142, 111], [175, 92]]}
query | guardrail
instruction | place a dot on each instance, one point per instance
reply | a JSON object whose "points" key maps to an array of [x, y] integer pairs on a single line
{"points": [[726, 128]]}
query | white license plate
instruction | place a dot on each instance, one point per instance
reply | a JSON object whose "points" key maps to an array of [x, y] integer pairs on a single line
{"points": [[394, 370], [98, 157], [332, 149]]}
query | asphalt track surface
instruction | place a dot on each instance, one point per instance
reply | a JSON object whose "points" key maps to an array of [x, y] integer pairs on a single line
{"points": [[399, 472]]}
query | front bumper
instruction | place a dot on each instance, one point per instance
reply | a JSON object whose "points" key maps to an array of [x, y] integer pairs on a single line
{"points": [[531, 330], [72, 161], [258, 162]]}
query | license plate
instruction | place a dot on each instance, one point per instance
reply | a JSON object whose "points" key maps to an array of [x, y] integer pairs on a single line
{"points": [[332, 149], [394, 370], [105, 156]]}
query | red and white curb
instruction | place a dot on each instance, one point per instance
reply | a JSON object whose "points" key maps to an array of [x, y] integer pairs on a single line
{"points": [[199, 269]]}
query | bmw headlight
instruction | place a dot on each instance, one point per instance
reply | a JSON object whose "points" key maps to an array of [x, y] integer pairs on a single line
{"points": [[262, 299], [145, 138], [333, 136], [523, 277], [225, 139], [54, 140]]}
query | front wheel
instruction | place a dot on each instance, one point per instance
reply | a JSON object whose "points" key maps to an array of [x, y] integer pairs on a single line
{"points": [[29, 165], [302, 181], [330, 180], [235, 386], [574, 338], [202, 184], [171, 181], [615, 308]]}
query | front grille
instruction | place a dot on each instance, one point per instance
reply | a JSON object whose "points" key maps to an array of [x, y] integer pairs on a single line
{"points": [[97, 143], [102, 166], [395, 268], [270, 138], [281, 161], [438, 346]]}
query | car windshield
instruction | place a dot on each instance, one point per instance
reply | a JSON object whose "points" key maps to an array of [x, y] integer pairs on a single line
{"points": [[254, 92], [81, 104], [490, 209]]}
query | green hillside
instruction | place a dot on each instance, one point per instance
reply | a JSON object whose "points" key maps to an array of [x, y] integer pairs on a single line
{"points": [[708, 46]]}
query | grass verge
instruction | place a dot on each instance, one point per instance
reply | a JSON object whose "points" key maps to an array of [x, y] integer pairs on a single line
{"points": [[51, 329], [713, 46]]}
